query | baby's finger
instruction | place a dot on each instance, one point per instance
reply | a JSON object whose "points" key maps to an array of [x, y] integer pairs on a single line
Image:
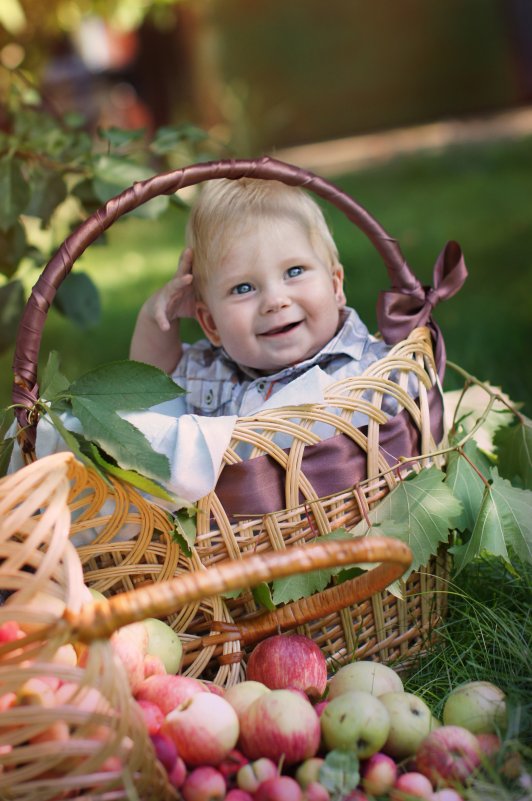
{"points": [[185, 262]]}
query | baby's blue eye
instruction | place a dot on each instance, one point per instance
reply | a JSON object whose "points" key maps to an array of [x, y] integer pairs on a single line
{"points": [[241, 289], [293, 272]]}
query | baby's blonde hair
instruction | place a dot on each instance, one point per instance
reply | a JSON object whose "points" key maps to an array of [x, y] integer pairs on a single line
{"points": [[226, 208]]}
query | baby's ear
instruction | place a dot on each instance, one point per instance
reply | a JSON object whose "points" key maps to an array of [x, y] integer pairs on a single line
{"points": [[338, 284], [206, 320]]}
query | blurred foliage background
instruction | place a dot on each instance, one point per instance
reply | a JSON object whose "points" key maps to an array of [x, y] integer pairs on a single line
{"points": [[102, 92]]}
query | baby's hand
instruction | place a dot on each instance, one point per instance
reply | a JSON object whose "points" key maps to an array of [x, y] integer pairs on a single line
{"points": [[176, 298]]}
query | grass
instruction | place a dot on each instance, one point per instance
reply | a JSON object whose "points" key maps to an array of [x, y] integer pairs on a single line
{"points": [[486, 636], [478, 195]]}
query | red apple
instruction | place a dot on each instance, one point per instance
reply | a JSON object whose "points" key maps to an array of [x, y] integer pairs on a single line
{"points": [[411, 784], [289, 660], [316, 792], [250, 776], [447, 794], [204, 729], [165, 750], [241, 695], [236, 794], [232, 763], [281, 788], [178, 774], [379, 773], [152, 716], [280, 724], [448, 754], [168, 691], [205, 783], [490, 744]]}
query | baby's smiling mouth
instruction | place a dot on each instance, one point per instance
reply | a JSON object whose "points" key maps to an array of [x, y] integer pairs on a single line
{"points": [[282, 329]]}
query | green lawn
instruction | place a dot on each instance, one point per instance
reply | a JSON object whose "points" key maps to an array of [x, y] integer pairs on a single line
{"points": [[478, 195]]}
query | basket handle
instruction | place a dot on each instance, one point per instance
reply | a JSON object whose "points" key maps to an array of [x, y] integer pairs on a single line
{"points": [[43, 293], [100, 619]]}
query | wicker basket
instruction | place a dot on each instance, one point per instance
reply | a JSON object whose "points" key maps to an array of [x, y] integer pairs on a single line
{"points": [[81, 735], [279, 497]]}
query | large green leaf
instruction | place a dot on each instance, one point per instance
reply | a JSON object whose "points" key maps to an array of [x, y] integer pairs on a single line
{"points": [[79, 300], [487, 536], [301, 585], [515, 509], [14, 192], [48, 190], [514, 450], [426, 510], [113, 175], [125, 385], [118, 438], [53, 382], [340, 773], [466, 484], [13, 248], [11, 306]]}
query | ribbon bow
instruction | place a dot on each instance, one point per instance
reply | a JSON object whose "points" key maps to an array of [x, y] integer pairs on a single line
{"points": [[400, 311]]}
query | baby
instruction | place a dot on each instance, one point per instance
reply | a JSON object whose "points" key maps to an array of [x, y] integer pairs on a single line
{"points": [[262, 276]]}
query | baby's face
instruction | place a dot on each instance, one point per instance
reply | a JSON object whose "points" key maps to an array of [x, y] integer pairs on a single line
{"points": [[273, 300]]}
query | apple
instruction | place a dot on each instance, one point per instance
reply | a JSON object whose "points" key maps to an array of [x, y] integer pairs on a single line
{"points": [[478, 706], [280, 788], [371, 677], [379, 773], [309, 771], [152, 715], [236, 794], [448, 754], [490, 744], [410, 722], [204, 728], [178, 774], [129, 644], [168, 691], [250, 776], [165, 750], [316, 792], [232, 763], [241, 695], [356, 721], [153, 666], [289, 661], [164, 643], [411, 785], [204, 783], [447, 794], [280, 723]]}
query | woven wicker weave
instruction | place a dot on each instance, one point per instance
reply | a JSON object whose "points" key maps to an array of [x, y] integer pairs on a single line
{"points": [[215, 631], [53, 749]]}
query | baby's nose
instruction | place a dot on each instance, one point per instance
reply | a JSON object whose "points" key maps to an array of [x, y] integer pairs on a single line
{"points": [[274, 299]]}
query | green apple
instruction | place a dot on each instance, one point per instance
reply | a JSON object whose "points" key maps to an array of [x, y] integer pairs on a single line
{"points": [[410, 722], [355, 721], [478, 706], [164, 643], [366, 675]]}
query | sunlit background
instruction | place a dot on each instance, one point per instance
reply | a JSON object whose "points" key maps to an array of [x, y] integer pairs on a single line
{"points": [[419, 109]]}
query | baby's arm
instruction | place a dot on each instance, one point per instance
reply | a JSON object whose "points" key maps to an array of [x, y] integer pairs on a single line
{"points": [[156, 338]]}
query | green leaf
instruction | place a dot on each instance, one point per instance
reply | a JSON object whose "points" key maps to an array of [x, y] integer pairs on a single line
{"points": [[13, 248], [11, 307], [48, 190], [487, 536], [292, 588], [465, 483], [185, 529], [424, 509], [113, 175], [78, 299], [118, 137], [263, 597], [514, 450], [14, 192], [340, 773], [131, 477], [71, 440], [119, 438], [53, 382], [515, 508], [126, 385]]}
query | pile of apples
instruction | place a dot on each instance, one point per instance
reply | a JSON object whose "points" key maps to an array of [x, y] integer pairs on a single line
{"points": [[291, 733]]}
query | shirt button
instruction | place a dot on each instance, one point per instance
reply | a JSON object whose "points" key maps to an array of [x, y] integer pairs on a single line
{"points": [[261, 386], [209, 397]]}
